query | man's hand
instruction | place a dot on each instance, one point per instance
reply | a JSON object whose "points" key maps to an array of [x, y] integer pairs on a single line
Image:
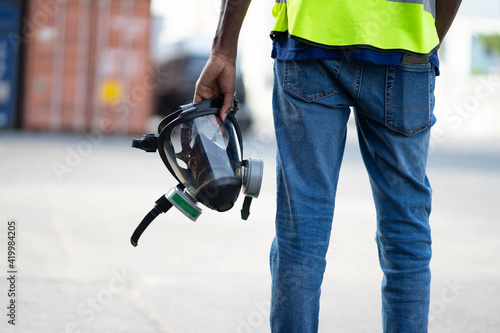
{"points": [[219, 75], [217, 78]]}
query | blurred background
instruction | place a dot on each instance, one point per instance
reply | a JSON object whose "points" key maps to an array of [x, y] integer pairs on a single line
{"points": [[71, 66], [80, 78]]}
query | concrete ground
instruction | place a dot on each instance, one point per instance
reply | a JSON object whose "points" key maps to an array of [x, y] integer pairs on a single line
{"points": [[76, 200]]}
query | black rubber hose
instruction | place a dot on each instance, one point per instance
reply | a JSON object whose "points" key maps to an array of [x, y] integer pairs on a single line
{"points": [[162, 206]]}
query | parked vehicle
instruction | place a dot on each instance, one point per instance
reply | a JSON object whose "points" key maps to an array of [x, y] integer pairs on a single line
{"points": [[176, 84]]}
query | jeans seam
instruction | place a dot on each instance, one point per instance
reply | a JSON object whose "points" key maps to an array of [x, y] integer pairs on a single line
{"points": [[359, 78], [386, 97], [337, 68]]}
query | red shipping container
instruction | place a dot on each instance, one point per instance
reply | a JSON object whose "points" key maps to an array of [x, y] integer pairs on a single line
{"points": [[87, 66]]}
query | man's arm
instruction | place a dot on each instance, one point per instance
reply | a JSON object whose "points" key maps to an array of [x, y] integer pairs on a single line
{"points": [[445, 14], [219, 75]]}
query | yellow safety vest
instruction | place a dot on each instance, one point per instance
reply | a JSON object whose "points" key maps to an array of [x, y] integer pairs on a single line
{"points": [[382, 25]]}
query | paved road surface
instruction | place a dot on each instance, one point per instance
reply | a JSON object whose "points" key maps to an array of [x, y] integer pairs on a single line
{"points": [[76, 199]]}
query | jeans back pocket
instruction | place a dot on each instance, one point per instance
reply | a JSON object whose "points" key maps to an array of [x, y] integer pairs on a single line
{"points": [[409, 97], [310, 80]]}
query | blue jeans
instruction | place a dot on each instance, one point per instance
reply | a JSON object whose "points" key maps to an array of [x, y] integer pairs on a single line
{"points": [[393, 108]]}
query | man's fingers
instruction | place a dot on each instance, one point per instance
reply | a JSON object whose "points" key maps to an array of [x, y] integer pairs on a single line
{"points": [[206, 87], [227, 105], [203, 93]]}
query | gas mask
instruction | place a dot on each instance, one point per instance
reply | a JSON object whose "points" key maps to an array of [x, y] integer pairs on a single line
{"points": [[204, 154]]}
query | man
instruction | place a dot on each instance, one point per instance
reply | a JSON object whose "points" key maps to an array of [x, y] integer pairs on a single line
{"points": [[379, 57]]}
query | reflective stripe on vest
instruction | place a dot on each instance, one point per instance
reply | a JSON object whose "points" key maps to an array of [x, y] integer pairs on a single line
{"points": [[382, 25], [429, 5]]}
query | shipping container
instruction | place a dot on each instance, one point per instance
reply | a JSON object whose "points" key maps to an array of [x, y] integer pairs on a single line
{"points": [[10, 55], [87, 66]]}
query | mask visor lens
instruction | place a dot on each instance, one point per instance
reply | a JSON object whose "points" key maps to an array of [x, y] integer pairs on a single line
{"points": [[203, 149]]}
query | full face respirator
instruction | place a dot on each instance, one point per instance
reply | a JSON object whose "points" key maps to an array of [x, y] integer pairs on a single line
{"points": [[205, 155]]}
